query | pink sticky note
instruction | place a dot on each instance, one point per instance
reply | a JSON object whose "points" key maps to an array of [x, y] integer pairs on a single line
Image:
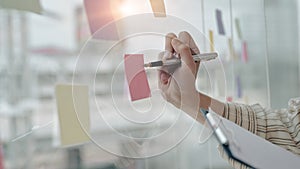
{"points": [[1, 157], [100, 16], [229, 99], [244, 52], [136, 76]]}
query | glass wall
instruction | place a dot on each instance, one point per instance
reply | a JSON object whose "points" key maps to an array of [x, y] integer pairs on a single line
{"points": [[258, 63]]}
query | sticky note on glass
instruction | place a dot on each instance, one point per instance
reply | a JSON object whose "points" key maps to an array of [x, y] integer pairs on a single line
{"points": [[158, 8], [211, 39], [238, 28], [73, 113], [232, 53], [244, 52], [229, 99], [1, 157], [136, 76], [99, 16], [220, 24], [239, 87], [24, 5]]}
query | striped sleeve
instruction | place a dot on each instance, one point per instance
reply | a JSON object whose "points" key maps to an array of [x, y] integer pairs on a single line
{"points": [[242, 115], [280, 127]]}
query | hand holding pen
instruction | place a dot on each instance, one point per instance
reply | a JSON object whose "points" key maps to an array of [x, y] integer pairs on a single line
{"points": [[175, 60], [178, 85]]}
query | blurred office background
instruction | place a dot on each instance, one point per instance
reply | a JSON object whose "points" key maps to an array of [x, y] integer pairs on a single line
{"points": [[37, 51]]}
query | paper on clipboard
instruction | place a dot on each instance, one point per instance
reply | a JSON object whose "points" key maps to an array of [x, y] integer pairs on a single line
{"points": [[255, 150]]}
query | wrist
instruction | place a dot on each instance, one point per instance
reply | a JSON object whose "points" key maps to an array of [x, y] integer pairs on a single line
{"points": [[205, 101], [216, 105]]}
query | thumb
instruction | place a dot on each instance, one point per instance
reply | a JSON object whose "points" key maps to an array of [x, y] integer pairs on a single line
{"points": [[184, 52]]}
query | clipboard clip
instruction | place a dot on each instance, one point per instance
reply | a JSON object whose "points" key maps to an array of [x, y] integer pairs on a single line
{"points": [[221, 137], [215, 126]]}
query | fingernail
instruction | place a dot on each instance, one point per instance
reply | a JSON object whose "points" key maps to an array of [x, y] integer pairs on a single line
{"points": [[175, 41], [167, 55]]}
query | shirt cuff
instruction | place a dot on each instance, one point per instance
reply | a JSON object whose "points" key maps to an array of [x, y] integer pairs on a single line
{"points": [[242, 115]]}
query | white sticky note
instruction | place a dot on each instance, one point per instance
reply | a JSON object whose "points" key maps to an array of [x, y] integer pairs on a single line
{"points": [[73, 113], [24, 5]]}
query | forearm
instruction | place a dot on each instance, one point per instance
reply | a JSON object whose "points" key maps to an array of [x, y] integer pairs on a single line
{"points": [[279, 127], [206, 102]]}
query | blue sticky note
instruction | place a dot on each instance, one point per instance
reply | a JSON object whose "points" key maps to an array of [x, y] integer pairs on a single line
{"points": [[220, 24]]}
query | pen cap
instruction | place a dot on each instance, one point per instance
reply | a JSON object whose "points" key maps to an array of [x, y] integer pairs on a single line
{"points": [[157, 63]]}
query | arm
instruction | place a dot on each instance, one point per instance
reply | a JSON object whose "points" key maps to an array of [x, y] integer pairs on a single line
{"points": [[178, 88], [206, 102], [280, 127]]}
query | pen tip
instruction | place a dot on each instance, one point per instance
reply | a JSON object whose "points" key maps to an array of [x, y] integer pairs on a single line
{"points": [[147, 65]]}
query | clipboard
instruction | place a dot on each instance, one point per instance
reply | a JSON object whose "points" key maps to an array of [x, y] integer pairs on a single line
{"points": [[248, 148]]}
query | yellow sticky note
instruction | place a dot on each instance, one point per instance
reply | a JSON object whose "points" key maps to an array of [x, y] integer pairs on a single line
{"points": [[211, 39], [232, 53], [73, 113], [158, 8]]}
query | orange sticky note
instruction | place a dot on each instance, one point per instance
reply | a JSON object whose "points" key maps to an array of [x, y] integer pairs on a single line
{"points": [[99, 15], [136, 76], [158, 8]]}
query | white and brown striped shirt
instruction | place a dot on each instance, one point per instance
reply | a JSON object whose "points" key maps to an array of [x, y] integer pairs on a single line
{"points": [[280, 127]]}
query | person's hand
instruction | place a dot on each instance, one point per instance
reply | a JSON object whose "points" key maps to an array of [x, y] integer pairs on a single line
{"points": [[178, 86]]}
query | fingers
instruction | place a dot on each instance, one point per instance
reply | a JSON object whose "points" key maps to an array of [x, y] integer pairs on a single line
{"points": [[187, 42], [184, 52], [163, 82], [168, 40], [162, 75], [186, 38], [168, 46]]}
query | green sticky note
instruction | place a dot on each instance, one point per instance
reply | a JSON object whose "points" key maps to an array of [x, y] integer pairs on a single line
{"points": [[238, 28], [23, 5]]}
